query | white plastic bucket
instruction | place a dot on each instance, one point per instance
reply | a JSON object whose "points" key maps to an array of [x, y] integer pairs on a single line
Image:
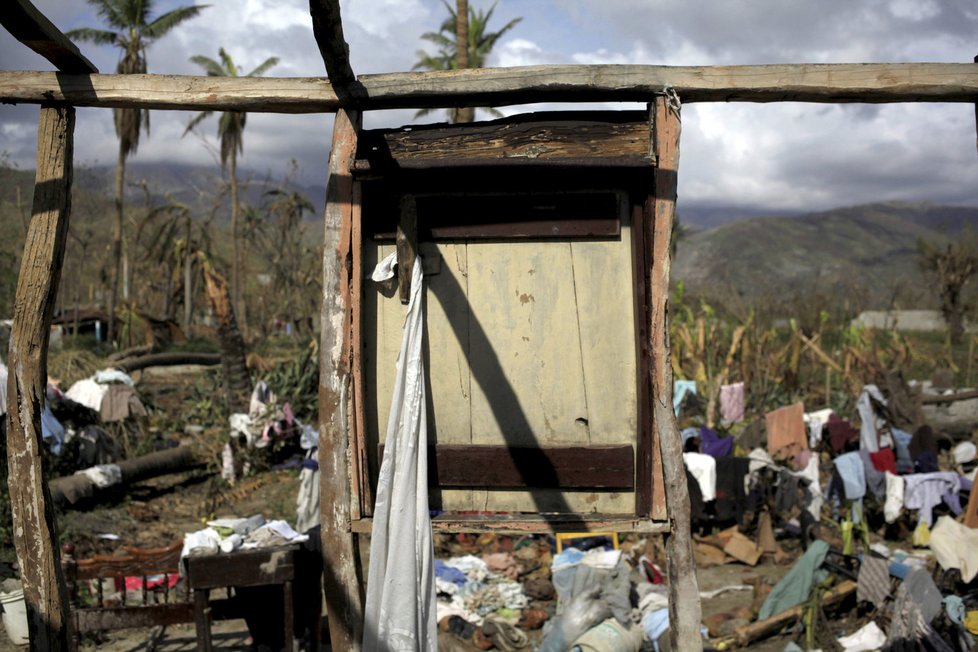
{"points": [[15, 617]]}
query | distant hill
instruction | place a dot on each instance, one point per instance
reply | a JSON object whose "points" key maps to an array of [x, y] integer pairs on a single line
{"points": [[866, 251]]}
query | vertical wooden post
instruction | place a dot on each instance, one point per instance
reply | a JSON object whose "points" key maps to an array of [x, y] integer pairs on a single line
{"points": [[407, 246], [684, 599], [37, 288], [342, 572]]}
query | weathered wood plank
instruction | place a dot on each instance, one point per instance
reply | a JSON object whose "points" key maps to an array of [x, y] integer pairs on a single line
{"points": [[34, 533], [32, 28], [684, 601], [602, 136], [826, 83], [328, 30], [341, 570], [573, 467], [112, 618], [534, 523]]}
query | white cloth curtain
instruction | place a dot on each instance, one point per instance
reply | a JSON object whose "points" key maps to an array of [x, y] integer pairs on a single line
{"points": [[399, 614]]}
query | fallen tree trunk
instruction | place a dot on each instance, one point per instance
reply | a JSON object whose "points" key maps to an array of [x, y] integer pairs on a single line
{"points": [[747, 634], [74, 488], [168, 360], [931, 399]]}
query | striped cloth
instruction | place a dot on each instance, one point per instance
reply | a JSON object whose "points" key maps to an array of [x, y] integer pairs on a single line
{"points": [[873, 583]]}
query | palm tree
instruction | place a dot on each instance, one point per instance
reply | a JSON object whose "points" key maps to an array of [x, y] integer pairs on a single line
{"points": [[450, 57], [132, 31], [230, 130]]}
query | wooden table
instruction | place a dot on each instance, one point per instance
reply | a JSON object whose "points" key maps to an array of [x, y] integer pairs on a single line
{"points": [[242, 568]]}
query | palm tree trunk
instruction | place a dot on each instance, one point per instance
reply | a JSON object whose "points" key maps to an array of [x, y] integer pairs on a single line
{"points": [[188, 292], [235, 242], [237, 380], [120, 177], [465, 113]]}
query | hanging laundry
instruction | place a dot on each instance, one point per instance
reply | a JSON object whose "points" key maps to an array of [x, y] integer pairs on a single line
{"points": [[841, 433], [399, 610], [680, 388], [955, 546], [816, 422], [786, 435], [870, 421], [924, 491], [894, 497], [713, 444], [704, 469], [732, 402]]}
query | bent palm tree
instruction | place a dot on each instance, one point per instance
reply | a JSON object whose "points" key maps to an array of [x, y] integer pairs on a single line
{"points": [[450, 57], [230, 131], [132, 31]]}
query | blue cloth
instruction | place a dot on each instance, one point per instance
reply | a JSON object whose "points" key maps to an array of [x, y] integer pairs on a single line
{"points": [[449, 574], [901, 444], [52, 431], [875, 480], [954, 606], [924, 491], [853, 473], [655, 624], [679, 390]]}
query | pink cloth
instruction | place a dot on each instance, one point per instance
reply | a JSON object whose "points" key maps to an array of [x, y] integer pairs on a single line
{"points": [[732, 402]]}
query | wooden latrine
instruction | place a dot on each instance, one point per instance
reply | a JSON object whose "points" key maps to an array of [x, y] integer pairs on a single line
{"points": [[534, 237]]}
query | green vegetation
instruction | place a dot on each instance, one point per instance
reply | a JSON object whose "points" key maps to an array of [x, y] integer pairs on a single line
{"points": [[447, 55]]}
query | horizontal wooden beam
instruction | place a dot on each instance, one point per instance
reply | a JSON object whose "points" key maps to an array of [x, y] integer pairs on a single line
{"points": [[526, 523], [552, 467], [826, 83], [32, 28]]}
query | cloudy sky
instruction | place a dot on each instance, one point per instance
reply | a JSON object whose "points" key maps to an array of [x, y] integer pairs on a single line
{"points": [[748, 158]]}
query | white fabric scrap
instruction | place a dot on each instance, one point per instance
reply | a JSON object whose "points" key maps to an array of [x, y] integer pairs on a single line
{"points": [[400, 606], [955, 546], [106, 376], [964, 452], [475, 569], [810, 473], [704, 469], [307, 502], [241, 426], [102, 475], [89, 393], [870, 422], [201, 542], [3, 388], [816, 421], [870, 637], [894, 497]]}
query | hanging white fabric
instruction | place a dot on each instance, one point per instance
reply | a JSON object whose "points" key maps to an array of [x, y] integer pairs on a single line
{"points": [[399, 615]]}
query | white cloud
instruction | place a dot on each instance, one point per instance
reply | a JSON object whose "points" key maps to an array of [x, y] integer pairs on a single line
{"points": [[779, 156]]}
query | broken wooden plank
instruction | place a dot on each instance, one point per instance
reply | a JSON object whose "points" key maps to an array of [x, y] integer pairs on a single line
{"points": [[327, 27], [34, 533], [32, 28], [341, 569], [826, 83], [684, 602]]}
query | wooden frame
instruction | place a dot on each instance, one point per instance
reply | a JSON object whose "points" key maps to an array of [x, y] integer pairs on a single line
{"points": [[543, 154]]}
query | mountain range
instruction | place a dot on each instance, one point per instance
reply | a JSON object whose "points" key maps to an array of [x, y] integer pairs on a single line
{"points": [[864, 254]]}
